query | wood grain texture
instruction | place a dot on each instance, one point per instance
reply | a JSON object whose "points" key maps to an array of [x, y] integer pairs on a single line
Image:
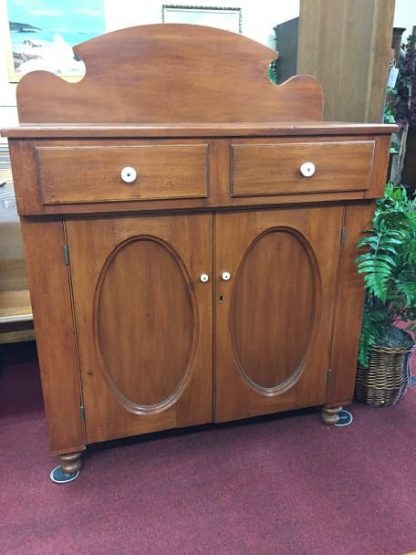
{"points": [[158, 130], [128, 322], [143, 322], [268, 354], [381, 41], [298, 324], [17, 336], [15, 306], [185, 73], [349, 306], [346, 44], [16, 319], [143, 293], [94, 172], [333, 179], [379, 168], [12, 263], [274, 168], [52, 310], [25, 178]]}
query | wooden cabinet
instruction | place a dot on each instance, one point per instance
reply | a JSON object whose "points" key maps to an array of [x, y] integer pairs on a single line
{"points": [[147, 290], [189, 262]]}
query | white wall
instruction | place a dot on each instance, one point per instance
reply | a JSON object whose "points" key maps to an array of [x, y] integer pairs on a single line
{"points": [[258, 16], [258, 19], [405, 16]]}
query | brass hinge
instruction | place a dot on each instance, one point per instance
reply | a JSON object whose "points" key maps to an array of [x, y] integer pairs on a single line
{"points": [[66, 254], [82, 413], [329, 375], [343, 235]]}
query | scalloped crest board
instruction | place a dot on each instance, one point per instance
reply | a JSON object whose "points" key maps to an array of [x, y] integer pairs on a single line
{"points": [[170, 73], [190, 232]]}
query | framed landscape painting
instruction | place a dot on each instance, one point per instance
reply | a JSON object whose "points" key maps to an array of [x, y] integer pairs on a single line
{"points": [[43, 32], [228, 19]]}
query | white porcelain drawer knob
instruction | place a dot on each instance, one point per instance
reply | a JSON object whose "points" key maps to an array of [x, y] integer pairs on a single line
{"points": [[128, 175], [204, 278], [307, 169], [226, 276]]}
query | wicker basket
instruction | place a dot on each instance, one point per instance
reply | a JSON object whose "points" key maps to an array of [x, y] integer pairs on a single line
{"points": [[384, 382]]}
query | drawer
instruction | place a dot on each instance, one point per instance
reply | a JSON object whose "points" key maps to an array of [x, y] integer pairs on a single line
{"points": [[112, 173], [282, 168]]}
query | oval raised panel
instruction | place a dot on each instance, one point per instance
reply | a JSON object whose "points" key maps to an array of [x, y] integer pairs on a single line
{"points": [[144, 324], [274, 310]]}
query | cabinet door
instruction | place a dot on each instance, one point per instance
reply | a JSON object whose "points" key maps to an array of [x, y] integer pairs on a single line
{"points": [[274, 315], [143, 320]]}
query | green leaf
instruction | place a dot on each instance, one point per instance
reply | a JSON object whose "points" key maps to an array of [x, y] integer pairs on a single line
{"points": [[387, 262]]}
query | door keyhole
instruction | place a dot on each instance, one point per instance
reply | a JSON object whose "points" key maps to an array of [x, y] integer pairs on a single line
{"points": [[221, 298]]}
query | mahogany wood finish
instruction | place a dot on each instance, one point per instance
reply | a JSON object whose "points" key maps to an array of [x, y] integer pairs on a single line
{"points": [[252, 164], [350, 298], [279, 179], [170, 73], [232, 129], [330, 415], [275, 315], [50, 292], [143, 321], [164, 171], [71, 462], [220, 283]]}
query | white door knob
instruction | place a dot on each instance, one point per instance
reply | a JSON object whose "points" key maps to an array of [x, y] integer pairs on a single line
{"points": [[226, 276], [128, 174], [204, 278], [307, 169]]}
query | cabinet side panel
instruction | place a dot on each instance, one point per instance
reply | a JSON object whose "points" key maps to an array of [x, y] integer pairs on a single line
{"points": [[380, 166], [25, 176], [52, 311], [349, 309]]}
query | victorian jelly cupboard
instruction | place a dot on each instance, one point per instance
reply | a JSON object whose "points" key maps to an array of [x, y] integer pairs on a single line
{"points": [[190, 232]]}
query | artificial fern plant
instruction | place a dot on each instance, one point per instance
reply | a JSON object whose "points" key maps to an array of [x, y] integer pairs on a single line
{"points": [[388, 265]]}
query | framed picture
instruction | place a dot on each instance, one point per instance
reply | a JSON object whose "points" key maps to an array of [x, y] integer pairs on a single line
{"points": [[41, 34], [228, 19]]}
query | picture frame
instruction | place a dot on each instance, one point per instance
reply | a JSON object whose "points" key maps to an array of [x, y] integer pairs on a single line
{"points": [[40, 34], [227, 18]]}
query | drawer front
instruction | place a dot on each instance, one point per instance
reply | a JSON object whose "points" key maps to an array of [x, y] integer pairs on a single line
{"points": [[87, 174], [292, 168]]}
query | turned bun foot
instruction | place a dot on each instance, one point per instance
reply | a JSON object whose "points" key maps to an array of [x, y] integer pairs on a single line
{"points": [[68, 470], [330, 415], [71, 463]]}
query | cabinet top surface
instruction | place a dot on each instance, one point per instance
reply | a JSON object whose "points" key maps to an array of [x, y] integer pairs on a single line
{"points": [[266, 129]]}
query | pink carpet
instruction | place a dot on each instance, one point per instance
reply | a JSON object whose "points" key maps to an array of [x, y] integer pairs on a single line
{"points": [[287, 485]]}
